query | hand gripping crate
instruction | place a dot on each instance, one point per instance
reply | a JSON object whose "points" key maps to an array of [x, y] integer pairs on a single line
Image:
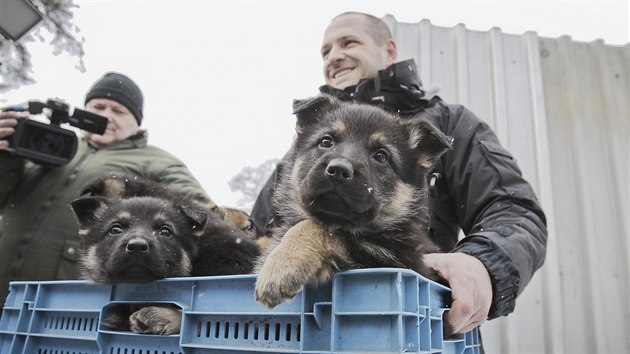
{"points": [[381, 310]]}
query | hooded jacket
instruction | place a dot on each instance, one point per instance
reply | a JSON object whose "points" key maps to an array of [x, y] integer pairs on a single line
{"points": [[39, 237], [476, 187]]}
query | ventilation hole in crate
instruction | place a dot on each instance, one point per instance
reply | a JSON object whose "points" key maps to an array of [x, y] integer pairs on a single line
{"points": [[207, 329], [277, 332], [288, 333], [266, 331], [236, 330], [246, 331], [256, 330], [217, 329], [226, 330]]}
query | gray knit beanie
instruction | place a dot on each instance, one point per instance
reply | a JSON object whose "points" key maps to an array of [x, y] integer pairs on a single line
{"points": [[120, 88]]}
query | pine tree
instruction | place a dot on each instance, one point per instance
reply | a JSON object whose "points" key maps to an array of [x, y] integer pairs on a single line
{"points": [[250, 182], [15, 59]]}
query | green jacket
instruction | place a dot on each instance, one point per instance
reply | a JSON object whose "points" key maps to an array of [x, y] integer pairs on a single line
{"points": [[38, 230]]}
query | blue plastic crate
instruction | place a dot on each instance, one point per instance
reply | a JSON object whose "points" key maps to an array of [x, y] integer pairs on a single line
{"points": [[382, 310]]}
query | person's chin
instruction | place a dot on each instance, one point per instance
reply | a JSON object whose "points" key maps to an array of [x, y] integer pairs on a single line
{"points": [[99, 140], [347, 80]]}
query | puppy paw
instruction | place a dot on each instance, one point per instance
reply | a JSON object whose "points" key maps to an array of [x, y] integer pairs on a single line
{"points": [[116, 322], [305, 255], [162, 320], [278, 282]]}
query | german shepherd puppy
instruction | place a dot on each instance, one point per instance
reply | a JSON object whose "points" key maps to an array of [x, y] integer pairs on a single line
{"points": [[243, 221], [135, 230], [352, 194]]}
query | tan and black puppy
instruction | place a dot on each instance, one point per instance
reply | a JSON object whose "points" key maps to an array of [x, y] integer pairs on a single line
{"points": [[352, 195], [135, 230], [243, 221]]}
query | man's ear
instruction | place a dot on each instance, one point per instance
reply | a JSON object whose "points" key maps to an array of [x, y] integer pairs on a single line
{"points": [[429, 142], [307, 110], [85, 209], [392, 51]]}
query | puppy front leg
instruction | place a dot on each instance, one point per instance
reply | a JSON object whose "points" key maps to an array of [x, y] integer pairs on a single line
{"points": [[307, 254], [156, 320]]}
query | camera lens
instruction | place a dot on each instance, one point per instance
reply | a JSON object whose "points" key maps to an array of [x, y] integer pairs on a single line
{"points": [[48, 143], [44, 144]]}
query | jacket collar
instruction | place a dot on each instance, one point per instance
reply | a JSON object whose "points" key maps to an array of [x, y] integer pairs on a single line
{"points": [[396, 88]]}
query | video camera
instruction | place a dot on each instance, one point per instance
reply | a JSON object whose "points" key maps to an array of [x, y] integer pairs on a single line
{"points": [[50, 144]]}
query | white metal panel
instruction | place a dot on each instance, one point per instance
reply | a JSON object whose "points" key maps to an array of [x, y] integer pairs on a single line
{"points": [[561, 108], [588, 122]]}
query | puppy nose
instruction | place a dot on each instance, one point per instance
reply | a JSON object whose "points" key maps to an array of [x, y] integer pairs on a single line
{"points": [[137, 245], [339, 171]]}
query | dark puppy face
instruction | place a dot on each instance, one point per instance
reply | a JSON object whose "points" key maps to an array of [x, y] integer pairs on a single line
{"points": [[359, 168], [137, 239]]}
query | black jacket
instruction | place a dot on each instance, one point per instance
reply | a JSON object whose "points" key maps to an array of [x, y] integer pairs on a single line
{"points": [[476, 187]]}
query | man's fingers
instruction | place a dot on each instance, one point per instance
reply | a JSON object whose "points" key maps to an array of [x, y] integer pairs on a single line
{"points": [[4, 133], [462, 308], [471, 289], [478, 318]]}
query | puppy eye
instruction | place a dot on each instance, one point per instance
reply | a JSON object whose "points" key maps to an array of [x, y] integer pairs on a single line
{"points": [[381, 156], [326, 142], [165, 231], [115, 229], [249, 227]]}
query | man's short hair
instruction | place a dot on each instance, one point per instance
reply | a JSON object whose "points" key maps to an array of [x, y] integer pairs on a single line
{"points": [[376, 28]]}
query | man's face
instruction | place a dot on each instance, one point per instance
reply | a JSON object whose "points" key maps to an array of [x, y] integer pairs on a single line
{"points": [[350, 53], [121, 123]]}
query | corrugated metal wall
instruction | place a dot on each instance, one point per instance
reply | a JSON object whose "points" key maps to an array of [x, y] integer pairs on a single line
{"points": [[561, 107]]}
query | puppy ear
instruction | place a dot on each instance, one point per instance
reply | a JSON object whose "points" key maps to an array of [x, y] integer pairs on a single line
{"points": [[94, 187], [198, 215], [307, 110], [85, 209], [429, 142], [110, 187]]}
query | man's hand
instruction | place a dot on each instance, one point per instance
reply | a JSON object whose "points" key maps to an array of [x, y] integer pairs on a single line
{"points": [[8, 121], [470, 285]]}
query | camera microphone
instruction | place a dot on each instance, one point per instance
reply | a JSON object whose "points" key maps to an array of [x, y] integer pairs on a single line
{"points": [[32, 107]]}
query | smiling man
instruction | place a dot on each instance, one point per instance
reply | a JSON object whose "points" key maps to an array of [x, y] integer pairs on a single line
{"points": [[476, 187], [39, 237]]}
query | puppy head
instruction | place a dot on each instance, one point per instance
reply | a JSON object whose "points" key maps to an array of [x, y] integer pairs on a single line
{"points": [[137, 239], [357, 167], [240, 219]]}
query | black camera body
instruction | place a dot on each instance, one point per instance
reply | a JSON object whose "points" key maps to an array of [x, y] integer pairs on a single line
{"points": [[50, 144]]}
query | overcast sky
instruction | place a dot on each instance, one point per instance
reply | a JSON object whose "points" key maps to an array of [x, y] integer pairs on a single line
{"points": [[219, 77]]}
